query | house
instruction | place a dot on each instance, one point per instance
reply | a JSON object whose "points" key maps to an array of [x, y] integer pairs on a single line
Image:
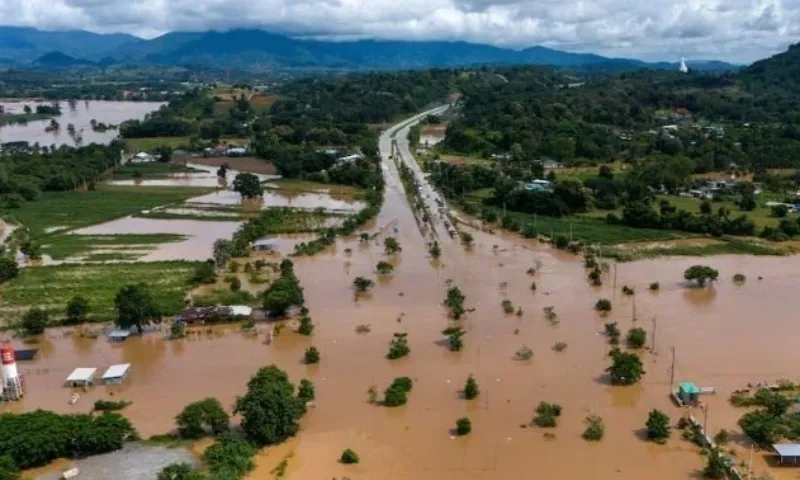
{"points": [[263, 245], [143, 157], [116, 374], [81, 377], [236, 151], [538, 185], [680, 114], [348, 159]]}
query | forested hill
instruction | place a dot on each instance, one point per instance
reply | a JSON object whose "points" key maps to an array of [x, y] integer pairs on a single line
{"points": [[751, 118], [260, 50]]}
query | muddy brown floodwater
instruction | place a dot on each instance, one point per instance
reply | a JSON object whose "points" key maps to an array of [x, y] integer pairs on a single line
{"points": [[724, 336]]}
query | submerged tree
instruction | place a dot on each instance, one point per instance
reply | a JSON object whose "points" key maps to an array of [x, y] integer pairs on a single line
{"points": [[463, 426], [701, 274], [306, 326], [454, 341], [466, 238], [392, 246], [202, 417], [435, 250], [637, 337], [312, 355], [658, 428], [455, 302], [384, 268], [270, 411], [398, 347], [471, 389], [362, 284], [595, 429], [626, 368], [247, 185]]}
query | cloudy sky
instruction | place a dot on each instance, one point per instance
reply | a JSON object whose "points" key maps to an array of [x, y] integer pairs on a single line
{"points": [[733, 30]]}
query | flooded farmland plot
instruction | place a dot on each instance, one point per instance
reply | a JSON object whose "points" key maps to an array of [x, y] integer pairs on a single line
{"points": [[277, 198], [205, 177]]}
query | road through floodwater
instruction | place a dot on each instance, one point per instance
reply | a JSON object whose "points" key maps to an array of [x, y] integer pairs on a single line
{"points": [[725, 336]]}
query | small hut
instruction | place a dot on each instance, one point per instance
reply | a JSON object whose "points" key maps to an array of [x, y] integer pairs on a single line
{"points": [[689, 393], [81, 377], [116, 374]]}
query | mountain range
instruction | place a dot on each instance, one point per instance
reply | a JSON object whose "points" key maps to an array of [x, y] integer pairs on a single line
{"points": [[258, 49]]}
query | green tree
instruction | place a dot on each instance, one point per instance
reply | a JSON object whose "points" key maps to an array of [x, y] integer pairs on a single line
{"points": [[248, 185], [270, 411], [164, 153], [398, 347], [312, 355], [637, 337], [397, 393], [282, 294], [658, 428], [8, 268], [454, 341], [135, 307], [455, 302], [392, 246], [305, 392], [701, 274], [705, 207], [626, 368], [230, 457], [362, 284], [471, 388], [466, 238], [306, 326], [547, 415], [205, 273], [35, 320], [603, 305], [780, 211], [384, 268], [595, 429], [178, 471], [77, 310], [349, 457], [202, 417], [223, 251], [435, 250], [463, 426], [715, 465]]}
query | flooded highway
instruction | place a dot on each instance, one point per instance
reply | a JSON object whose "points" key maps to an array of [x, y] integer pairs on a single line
{"points": [[724, 336]]}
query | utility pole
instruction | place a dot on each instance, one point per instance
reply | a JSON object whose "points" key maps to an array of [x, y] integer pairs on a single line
{"points": [[615, 277], [705, 420], [634, 309], [750, 464], [672, 372], [653, 346]]}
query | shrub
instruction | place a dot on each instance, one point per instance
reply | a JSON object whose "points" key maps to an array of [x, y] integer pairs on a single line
{"points": [[603, 305], [398, 347], [508, 307], [700, 274], [306, 392], [312, 355], [269, 410], [362, 284], [8, 268], [454, 341], [108, 406], [202, 417], [551, 315], [349, 457], [560, 346], [654, 286], [397, 393], [471, 388], [235, 284], [627, 290], [626, 368], [722, 437], [561, 242], [77, 310], [384, 268], [547, 415], [177, 330], [524, 353], [636, 338], [658, 428], [35, 321], [306, 326], [594, 428], [463, 426], [205, 272], [739, 278]]}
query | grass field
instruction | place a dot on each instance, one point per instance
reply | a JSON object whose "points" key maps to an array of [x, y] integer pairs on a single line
{"points": [[152, 170], [726, 246], [63, 246], [51, 288], [22, 118], [79, 209], [151, 143]]}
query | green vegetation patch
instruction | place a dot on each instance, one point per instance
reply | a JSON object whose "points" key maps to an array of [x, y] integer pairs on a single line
{"points": [[51, 288], [22, 118], [63, 246], [728, 246], [80, 209], [152, 143], [295, 185], [152, 170]]}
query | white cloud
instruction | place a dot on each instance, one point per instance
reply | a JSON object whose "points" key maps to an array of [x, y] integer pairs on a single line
{"points": [[736, 30]]}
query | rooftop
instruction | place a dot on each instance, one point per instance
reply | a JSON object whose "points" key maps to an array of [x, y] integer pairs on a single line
{"points": [[81, 375], [117, 371], [787, 449]]}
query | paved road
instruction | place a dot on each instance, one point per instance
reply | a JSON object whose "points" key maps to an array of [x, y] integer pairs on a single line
{"points": [[399, 133]]}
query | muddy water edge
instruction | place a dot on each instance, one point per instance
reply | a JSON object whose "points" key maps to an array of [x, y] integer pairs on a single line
{"points": [[710, 329]]}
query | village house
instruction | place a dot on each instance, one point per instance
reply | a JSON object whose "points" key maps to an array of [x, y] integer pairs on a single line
{"points": [[143, 157]]}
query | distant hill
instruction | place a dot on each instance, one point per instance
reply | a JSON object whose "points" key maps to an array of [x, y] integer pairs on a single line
{"points": [[23, 45], [258, 49], [59, 60]]}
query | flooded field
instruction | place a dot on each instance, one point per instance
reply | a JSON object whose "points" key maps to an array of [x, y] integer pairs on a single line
{"points": [[207, 178], [711, 330], [275, 198], [108, 112], [197, 246], [432, 134], [133, 462]]}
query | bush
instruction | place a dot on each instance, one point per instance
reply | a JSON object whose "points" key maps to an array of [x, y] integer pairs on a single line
{"points": [[177, 330], [463, 426], [77, 310], [384, 268], [594, 428], [205, 272], [398, 347], [306, 327], [658, 428], [362, 284], [8, 268], [524, 353], [739, 278], [626, 290], [109, 406], [508, 307], [306, 391], [471, 388], [35, 321], [312, 355], [561, 242], [626, 368], [603, 305], [636, 338], [547, 415], [349, 457], [559, 346], [230, 457], [700, 274], [235, 284], [654, 286], [201, 418], [780, 211], [397, 393], [789, 227]]}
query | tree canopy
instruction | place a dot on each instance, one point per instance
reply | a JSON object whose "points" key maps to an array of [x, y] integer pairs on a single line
{"points": [[135, 307], [270, 410]]}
